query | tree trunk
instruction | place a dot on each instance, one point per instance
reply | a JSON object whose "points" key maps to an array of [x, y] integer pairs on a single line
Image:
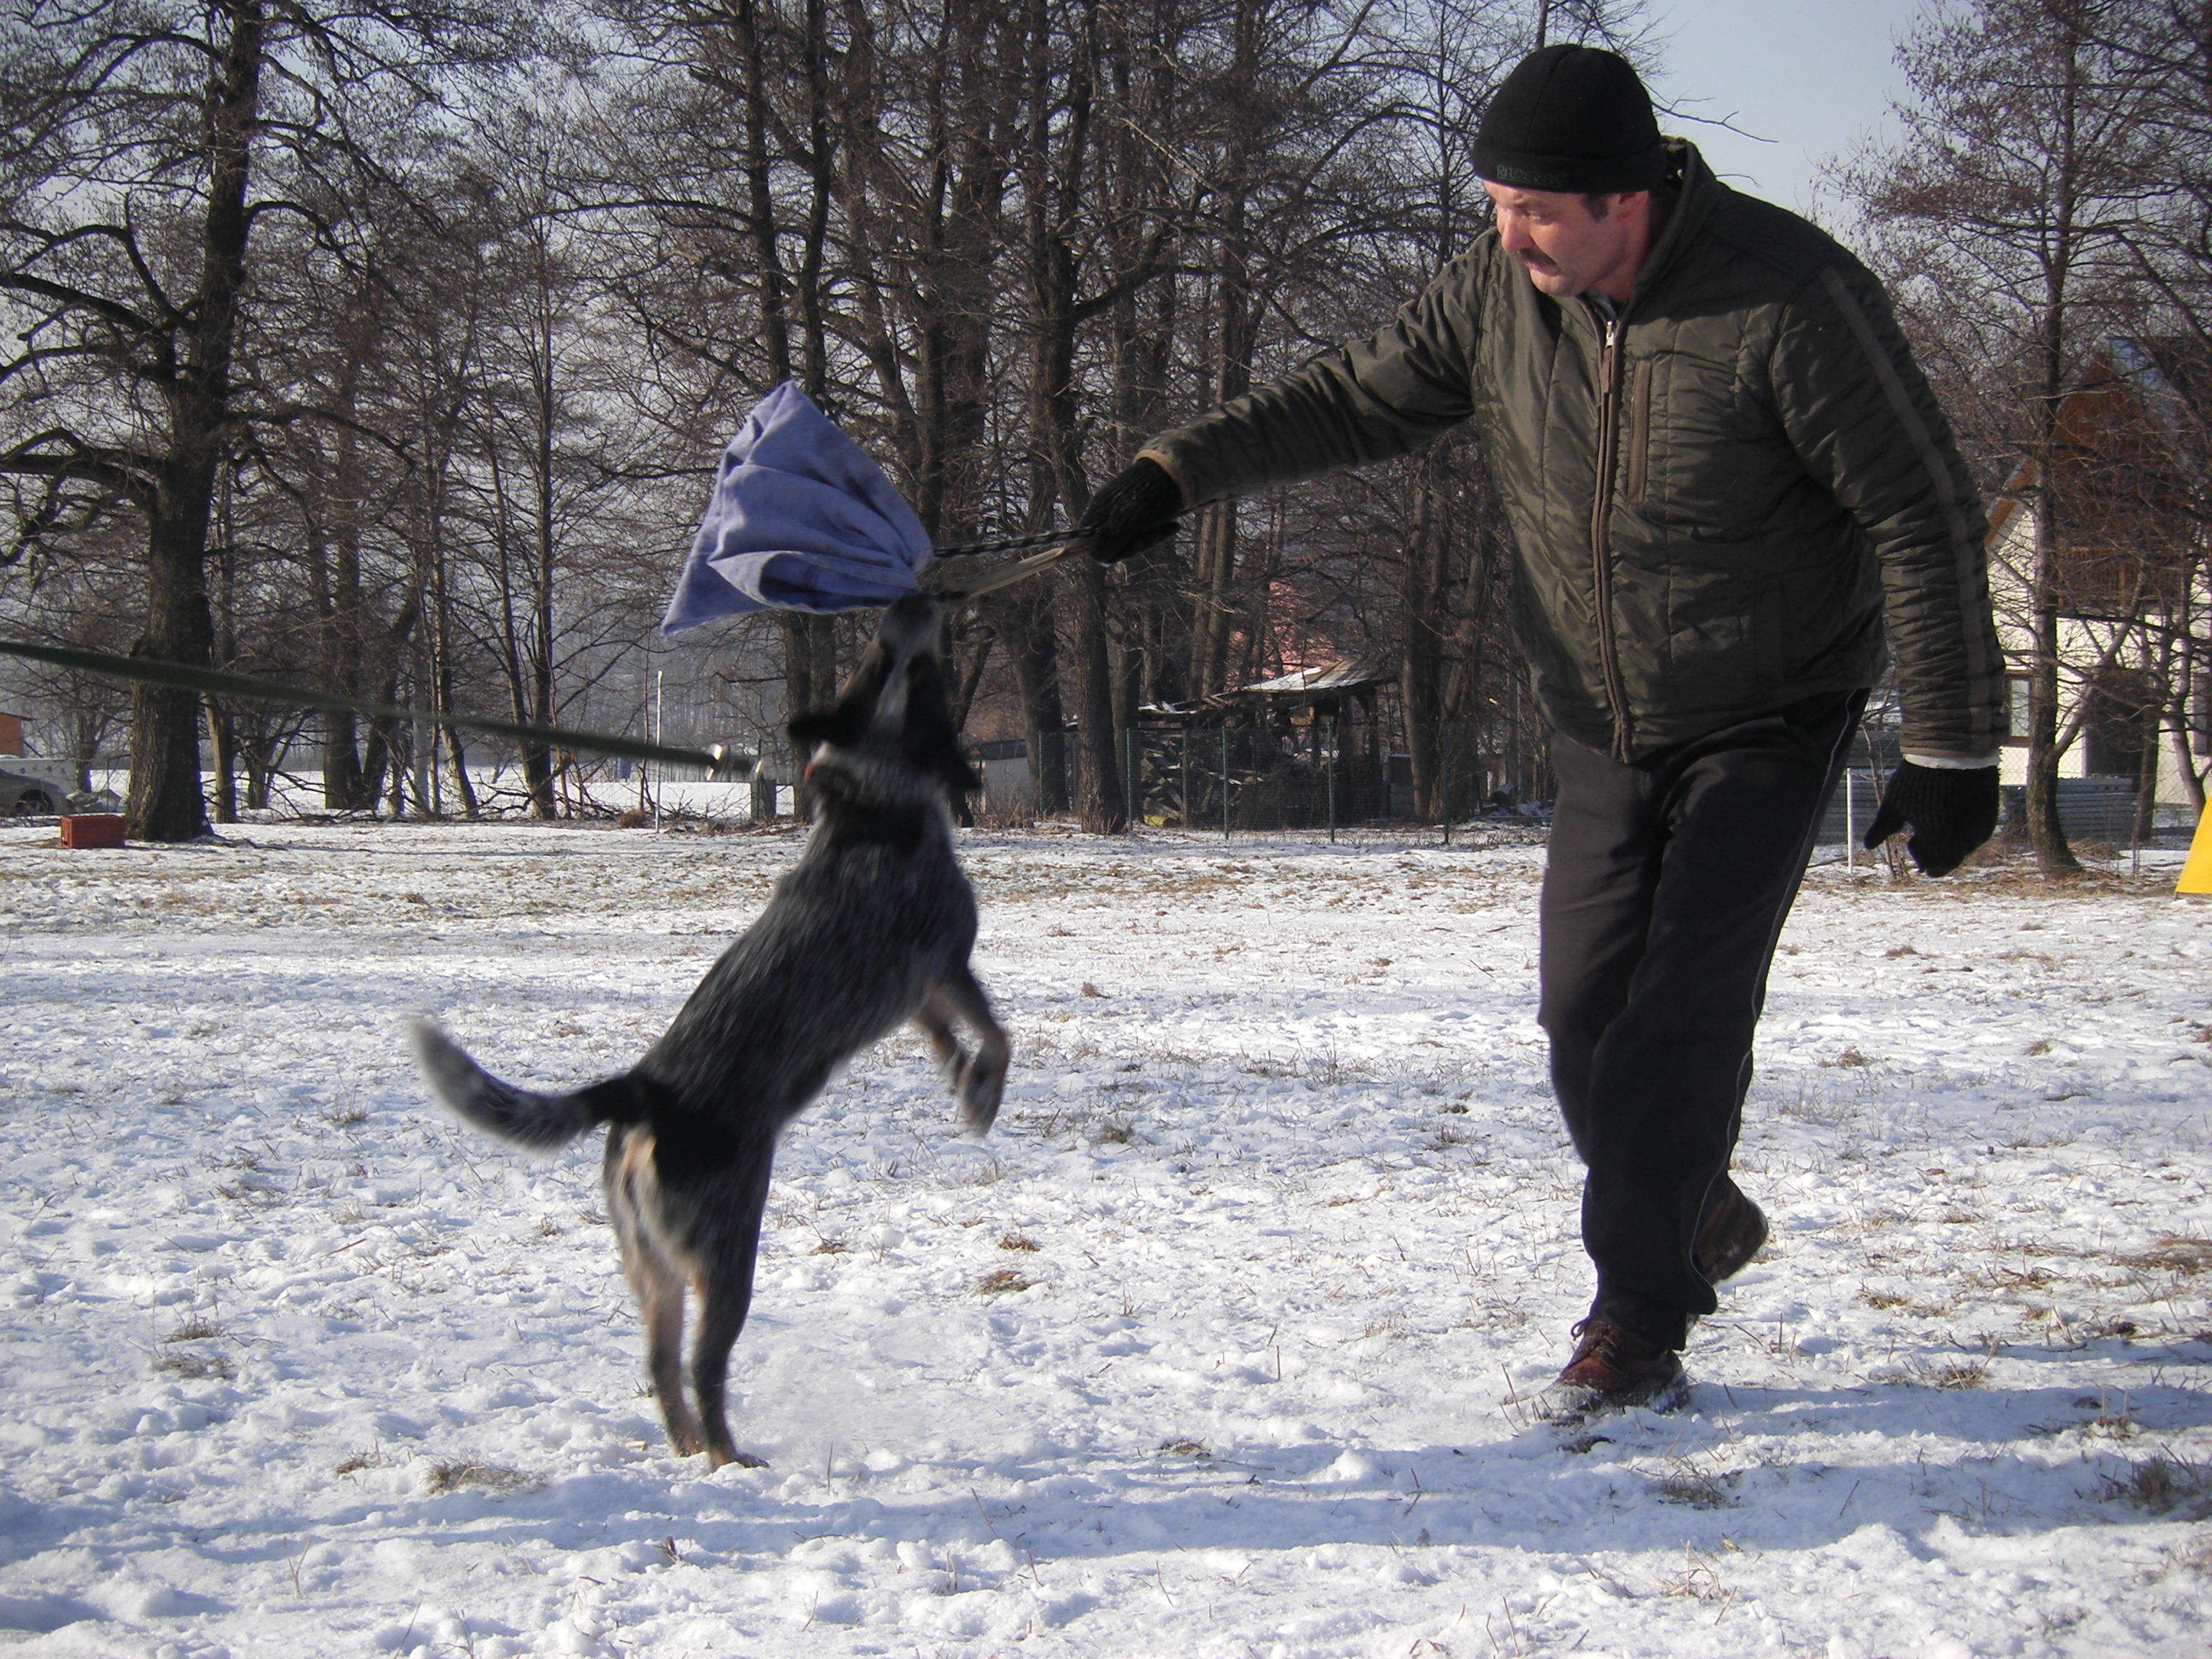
{"points": [[1023, 620], [1421, 671], [537, 761], [800, 694], [348, 784], [387, 746], [165, 803], [2041, 807], [2189, 695], [1056, 180], [222, 725], [1236, 338], [971, 676], [441, 653], [343, 612], [222, 744], [1100, 806], [2146, 726]]}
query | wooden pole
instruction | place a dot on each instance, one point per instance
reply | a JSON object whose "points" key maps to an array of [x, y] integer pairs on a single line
{"points": [[1331, 784], [1186, 778], [1443, 777], [1133, 794], [1224, 780]]}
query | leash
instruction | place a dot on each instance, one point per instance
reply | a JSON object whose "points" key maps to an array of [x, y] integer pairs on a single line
{"points": [[1007, 574], [1005, 544], [180, 677], [147, 671]]}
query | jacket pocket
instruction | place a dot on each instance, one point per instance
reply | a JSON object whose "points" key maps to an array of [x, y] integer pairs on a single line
{"points": [[1716, 461], [1639, 430]]}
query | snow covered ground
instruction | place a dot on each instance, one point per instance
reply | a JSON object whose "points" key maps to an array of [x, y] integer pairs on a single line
{"points": [[1213, 1348]]}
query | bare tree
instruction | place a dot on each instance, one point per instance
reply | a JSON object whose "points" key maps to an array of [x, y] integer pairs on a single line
{"points": [[2004, 209], [145, 144], [2162, 52]]}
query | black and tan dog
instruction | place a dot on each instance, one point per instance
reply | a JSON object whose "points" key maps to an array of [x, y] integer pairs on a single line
{"points": [[871, 927]]}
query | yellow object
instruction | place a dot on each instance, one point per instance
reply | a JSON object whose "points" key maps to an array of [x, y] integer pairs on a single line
{"points": [[2196, 874]]}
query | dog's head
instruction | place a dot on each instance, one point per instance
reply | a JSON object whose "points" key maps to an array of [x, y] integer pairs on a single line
{"points": [[890, 736]]}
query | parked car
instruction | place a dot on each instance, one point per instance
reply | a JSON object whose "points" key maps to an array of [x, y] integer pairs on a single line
{"points": [[38, 785], [28, 798]]}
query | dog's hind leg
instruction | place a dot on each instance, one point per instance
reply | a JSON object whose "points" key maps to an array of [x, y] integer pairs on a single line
{"points": [[659, 1287], [981, 1081], [935, 1017], [657, 1281], [725, 1293]]}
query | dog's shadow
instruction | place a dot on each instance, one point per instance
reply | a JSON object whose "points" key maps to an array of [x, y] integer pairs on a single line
{"points": [[1744, 1465]]}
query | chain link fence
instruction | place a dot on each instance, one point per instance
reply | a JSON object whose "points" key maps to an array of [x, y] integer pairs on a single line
{"points": [[1313, 779], [1305, 781]]}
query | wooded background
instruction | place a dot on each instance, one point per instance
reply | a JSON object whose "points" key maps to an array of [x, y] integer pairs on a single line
{"points": [[388, 345]]}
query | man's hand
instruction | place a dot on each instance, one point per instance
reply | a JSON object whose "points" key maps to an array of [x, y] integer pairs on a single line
{"points": [[1951, 813], [1135, 509]]}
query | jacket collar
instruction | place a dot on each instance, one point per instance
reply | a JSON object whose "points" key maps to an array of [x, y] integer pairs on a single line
{"points": [[1695, 192]]}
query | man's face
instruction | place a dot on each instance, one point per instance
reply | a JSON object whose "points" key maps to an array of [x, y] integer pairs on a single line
{"points": [[1566, 248]]}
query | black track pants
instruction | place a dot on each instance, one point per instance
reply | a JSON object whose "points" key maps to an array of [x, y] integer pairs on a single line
{"points": [[1665, 887]]}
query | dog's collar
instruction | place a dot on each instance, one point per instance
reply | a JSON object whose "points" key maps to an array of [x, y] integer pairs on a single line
{"points": [[903, 827], [861, 817]]}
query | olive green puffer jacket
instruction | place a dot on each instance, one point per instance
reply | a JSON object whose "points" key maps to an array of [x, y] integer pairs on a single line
{"points": [[1718, 498]]}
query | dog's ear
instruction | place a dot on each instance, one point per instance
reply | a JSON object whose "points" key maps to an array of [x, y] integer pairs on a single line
{"points": [[846, 721], [959, 776], [843, 724]]}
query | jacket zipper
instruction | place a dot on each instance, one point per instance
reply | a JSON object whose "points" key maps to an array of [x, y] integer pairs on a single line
{"points": [[1608, 396]]}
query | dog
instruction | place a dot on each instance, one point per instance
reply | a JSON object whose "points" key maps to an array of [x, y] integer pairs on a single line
{"points": [[871, 927]]}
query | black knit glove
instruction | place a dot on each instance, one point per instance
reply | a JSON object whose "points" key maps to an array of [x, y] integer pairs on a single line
{"points": [[1133, 510], [1951, 811]]}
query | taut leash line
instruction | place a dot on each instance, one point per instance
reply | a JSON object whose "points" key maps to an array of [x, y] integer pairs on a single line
{"points": [[180, 677], [1005, 544], [1007, 574]]}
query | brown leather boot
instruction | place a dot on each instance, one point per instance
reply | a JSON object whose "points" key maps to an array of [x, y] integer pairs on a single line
{"points": [[1732, 1232], [1612, 1369]]}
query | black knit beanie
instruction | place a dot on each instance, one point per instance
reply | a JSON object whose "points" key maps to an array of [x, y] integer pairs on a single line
{"points": [[1571, 118]]}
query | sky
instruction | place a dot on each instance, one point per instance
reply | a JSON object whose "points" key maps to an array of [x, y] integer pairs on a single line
{"points": [[1808, 77]]}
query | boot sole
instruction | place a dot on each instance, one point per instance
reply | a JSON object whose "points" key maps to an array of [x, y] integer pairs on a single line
{"points": [[1569, 1406], [1729, 1265]]}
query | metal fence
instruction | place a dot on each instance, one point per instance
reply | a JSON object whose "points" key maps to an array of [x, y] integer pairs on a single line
{"points": [[1851, 808], [2090, 810], [1227, 782], [1307, 779]]}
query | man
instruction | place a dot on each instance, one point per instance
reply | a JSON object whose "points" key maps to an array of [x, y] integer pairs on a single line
{"points": [[1723, 474]]}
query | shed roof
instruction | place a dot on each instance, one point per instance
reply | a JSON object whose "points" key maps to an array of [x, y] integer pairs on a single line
{"points": [[1345, 674]]}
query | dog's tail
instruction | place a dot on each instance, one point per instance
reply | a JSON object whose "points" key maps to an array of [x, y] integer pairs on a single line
{"points": [[516, 1114]]}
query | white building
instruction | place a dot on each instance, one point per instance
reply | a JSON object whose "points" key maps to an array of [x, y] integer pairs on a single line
{"points": [[2135, 644]]}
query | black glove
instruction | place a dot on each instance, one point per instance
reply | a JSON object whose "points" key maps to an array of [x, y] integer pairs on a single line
{"points": [[1135, 510], [1951, 811]]}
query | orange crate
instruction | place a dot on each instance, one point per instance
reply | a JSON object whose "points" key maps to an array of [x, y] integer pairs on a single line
{"points": [[92, 830]]}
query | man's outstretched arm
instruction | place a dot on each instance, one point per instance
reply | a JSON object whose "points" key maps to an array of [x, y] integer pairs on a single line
{"points": [[1381, 397]]}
